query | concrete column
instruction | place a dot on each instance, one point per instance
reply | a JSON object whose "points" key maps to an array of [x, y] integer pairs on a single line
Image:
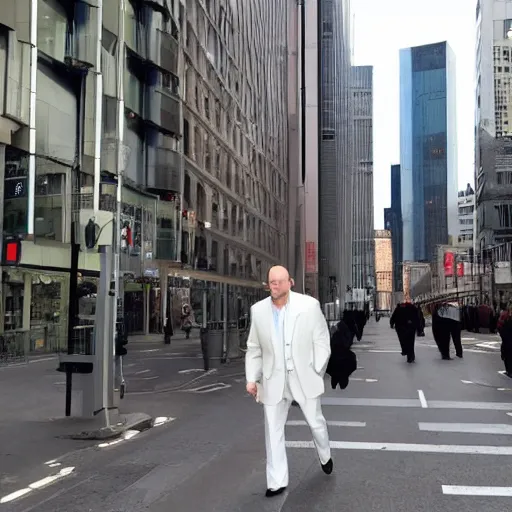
{"points": [[208, 237], [230, 217], [209, 203], [220, 257], [191, 138]]}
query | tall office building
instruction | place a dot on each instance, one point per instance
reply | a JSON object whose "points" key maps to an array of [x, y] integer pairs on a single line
{"points": [[428, 149], [334, 150], [182, 102], [393, 223], [363, 259], [493, 126]]}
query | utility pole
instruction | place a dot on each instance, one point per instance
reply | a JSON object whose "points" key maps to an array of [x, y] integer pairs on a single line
{"points": [[120, 163]]}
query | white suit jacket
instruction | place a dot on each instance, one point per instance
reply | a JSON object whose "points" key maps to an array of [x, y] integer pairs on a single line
{"points": [[306, 329]]}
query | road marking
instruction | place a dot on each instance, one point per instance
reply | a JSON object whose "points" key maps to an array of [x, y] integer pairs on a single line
{"points": [[423, 400], [162, 420], [468, 428], [191, 370], [129, 434], [144, 378], [467, 382], [412, 448], [37, 485], [494, 345], [142, 371], [148, 351], [385, 351], [15, 495], [302, 423], [360, 379], [406, 402], [473, 490], [41, 360], [208, 388]]}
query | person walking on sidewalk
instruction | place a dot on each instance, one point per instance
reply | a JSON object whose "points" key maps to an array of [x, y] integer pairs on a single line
{"points": [[288, 350]]}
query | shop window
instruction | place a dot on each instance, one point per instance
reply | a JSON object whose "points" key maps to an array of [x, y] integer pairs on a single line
{"points": [[13, 306], [52, 28]]}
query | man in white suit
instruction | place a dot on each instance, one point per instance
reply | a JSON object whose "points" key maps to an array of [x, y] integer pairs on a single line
{"points": [[287, 354]]}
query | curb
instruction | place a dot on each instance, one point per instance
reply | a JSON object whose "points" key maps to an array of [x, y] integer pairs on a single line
{"points": [[135, 421]]}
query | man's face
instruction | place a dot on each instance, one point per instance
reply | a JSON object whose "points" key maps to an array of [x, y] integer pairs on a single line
{"points": [[279, 283]]}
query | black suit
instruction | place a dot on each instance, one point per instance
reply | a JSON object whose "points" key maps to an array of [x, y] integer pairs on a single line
{"points": [[343, 361]]}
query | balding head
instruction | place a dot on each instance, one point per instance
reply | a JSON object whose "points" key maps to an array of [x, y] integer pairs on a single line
{"points": [[279, 282]]}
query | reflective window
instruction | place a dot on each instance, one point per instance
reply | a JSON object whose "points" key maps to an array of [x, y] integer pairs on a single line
{"points": [[15, 191], [51, 28], [50, 200]]}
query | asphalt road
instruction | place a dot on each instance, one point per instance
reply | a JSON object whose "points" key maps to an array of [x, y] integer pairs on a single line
{"points": [[431, 436]]}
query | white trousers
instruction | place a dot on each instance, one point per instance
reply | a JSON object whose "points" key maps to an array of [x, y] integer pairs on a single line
{"points": [[275, 421]]}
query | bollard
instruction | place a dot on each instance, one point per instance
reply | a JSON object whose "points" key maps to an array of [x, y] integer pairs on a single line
{"points": [[204, 347]]}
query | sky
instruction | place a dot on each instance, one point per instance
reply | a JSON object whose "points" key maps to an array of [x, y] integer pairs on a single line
{"points": [[380, 29]]}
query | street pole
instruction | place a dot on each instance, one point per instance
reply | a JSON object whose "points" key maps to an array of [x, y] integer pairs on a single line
{"points": [[72, 312], [119, 167]]}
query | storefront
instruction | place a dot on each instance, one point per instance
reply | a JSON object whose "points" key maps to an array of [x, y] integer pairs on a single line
{"points": [[34, 309]]}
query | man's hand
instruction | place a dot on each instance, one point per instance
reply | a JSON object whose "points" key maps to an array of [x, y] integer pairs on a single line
{"points": [[251, 388]]}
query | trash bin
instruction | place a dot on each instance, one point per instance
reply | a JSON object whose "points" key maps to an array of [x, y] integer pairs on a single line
{"points": [[215, 343], [233, 344]]}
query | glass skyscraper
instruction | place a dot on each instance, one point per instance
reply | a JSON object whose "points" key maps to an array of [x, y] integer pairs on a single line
{"points": [[428, 149]]}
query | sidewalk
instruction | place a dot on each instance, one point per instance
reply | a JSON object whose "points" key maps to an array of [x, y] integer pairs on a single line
{"points": [[33, 427]]}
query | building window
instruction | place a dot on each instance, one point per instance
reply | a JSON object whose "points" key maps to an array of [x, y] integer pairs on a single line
{"points": [[52, 28], [327, 134], [50, 205]]}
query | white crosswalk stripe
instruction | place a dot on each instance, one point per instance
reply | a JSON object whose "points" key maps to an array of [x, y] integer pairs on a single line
{"points": [[344, 412]]}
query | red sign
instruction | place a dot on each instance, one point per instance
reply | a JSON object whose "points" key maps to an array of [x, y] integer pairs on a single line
{"points": [[449, 261], [311, 258], [12, 252]]}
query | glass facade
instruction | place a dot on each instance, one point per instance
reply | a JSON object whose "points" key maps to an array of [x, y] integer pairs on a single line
{"points": [[427, 149], [336, 153]]}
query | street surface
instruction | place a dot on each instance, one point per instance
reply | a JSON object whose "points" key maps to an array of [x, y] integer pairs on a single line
{"points": [[430, 436]]}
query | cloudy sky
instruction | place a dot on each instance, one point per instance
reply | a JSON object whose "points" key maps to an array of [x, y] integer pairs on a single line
{"points": [[381, 28]]}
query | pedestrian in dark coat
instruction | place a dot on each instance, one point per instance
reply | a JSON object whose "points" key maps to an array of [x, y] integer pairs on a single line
{"points": [[343, 361], [405, 320], [505, 331]]}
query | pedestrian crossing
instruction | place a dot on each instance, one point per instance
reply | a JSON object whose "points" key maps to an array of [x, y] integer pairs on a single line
{"points": [[372, 425]]}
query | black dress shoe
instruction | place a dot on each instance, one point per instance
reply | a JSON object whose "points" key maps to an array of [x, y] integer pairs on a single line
{"points": [[272, 492], [328, 467]]}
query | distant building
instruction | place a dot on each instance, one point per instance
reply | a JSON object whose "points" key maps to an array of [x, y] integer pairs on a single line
{"points": [[428, 149], [466, 214], [383, 269], [362, 178], [393, 223], [493, 126]]}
